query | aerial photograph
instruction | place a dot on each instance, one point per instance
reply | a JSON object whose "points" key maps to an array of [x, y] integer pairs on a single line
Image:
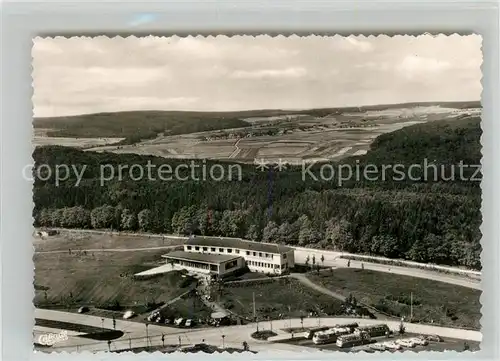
{"points": [[255, 194]]}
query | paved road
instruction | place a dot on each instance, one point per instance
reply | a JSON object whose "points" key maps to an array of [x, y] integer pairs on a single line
{"points": [[332, 259], [135, 333]]}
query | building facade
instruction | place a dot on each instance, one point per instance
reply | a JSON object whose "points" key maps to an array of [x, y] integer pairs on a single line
{"points": [[258, 257], [208, 264]]}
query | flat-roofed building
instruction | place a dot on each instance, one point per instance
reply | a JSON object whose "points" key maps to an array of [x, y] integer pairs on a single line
{"points": [[209, 264], [259, 257]]}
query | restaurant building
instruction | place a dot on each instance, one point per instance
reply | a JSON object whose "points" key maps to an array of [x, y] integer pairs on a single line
{"points": [[222, 256]]}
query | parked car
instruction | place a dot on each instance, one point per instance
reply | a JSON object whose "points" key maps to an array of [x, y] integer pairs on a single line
{"points": [[153, 315], [420, 341], [178, 321], [189, 323], [406, 343], [128, 314], [167, 321], [83, 309], [378, 347], [435, 338], [392, 345]]}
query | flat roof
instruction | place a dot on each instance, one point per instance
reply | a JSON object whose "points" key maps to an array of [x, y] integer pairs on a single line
{"points": [[200, 257], [237, 243]]}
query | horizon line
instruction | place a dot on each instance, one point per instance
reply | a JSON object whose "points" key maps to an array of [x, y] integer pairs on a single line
{"points": [[265, 109]]}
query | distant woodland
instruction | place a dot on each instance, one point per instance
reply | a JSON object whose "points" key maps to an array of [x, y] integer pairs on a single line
{"points": [[135, 126], [434, 221]]}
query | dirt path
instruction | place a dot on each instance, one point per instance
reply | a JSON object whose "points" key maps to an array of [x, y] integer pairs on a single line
{"points": [[307, 282], [236, 151], [109, 249], [168, 303]]}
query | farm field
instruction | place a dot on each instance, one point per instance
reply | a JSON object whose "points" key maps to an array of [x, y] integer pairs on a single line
{"points": [[433, 302], [103, 279], [81, 240], [279, 298], [74, 142], [292, 138]]}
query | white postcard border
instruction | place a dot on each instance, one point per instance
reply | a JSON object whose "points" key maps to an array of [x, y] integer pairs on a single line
{"points": [[24, 20]]}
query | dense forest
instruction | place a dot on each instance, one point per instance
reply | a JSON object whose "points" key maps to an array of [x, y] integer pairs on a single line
{"points": [[430, 220]]}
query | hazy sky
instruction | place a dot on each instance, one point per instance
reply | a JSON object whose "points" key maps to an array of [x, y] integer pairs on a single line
{"points": [[89, 75]]}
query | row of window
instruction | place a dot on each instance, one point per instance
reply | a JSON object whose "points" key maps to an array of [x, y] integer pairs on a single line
{"points": [[212, 249], [230, 250], [231, 265], [210, 267], [263, 264]]}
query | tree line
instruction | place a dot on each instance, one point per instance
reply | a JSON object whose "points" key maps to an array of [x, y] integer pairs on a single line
{"points": [[425, 221]]}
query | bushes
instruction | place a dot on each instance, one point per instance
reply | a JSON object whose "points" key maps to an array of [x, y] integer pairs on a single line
{"points": [[403, 299]]}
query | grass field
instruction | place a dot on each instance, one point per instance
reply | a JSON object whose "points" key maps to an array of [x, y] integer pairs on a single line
{"points": [[273, 137], [433, 302], [61, 325], [86, 240], [285, 297], [189, 307], [74, 142], [103, 278]]}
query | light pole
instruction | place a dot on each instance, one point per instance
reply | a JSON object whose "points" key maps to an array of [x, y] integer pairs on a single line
{"points": [[147, 335], [290, 314], [411, 306], [254, 312], [223, 337], [102, 324]]}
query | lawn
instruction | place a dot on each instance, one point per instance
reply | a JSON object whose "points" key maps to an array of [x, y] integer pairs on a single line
{"points": [[189, 307], [433, 302], [276, 298], [75, 241], [102, 279]]}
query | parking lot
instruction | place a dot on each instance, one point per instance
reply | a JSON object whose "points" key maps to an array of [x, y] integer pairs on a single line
{"points": [[447, 344]]}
